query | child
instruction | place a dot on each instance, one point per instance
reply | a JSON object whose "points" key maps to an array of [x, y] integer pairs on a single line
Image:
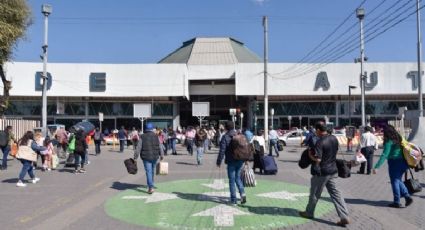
{"points": [[47, 165]]}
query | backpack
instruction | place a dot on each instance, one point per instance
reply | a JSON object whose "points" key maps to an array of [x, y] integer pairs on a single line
{"points": [[4, 139], [240, 148], [411, 153]]}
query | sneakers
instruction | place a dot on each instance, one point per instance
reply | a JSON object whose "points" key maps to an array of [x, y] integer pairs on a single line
{"points": [[35, 180], [409, 201], [305, 215], [20, 184], [343, 222], [151, 190], [82, 171], [243, 199]]}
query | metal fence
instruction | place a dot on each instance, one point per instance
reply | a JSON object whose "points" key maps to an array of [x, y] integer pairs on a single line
{"points": [[19, 126]]}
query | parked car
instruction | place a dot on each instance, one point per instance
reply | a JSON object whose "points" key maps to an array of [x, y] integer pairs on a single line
{"points": [[110, 139]]}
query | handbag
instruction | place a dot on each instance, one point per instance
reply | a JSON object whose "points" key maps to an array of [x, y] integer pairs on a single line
{"points": [[13, 150], [248, 177], [358, 158], [305, 160], [344, 168], [25, 152], [412, 184], [162, 168], [131, 166]]}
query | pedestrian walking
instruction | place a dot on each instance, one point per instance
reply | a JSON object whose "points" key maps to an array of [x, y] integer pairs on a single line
{"points": [[233, 166], [200, 139], [134, 136], [27, 155], [396, 166], [190, 136], [47, 143], [172, 138], [7, 138], [367, 147], [259, 144], [98, 138], [325, 174], [62, 140], [274, 140], [122, 136], [80, 152], [149, 148]]}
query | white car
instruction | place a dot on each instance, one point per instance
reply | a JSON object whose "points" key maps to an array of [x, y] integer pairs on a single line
{"points": [[294, 137]]}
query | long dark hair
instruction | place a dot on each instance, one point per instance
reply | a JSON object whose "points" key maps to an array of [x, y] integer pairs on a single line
{"points": [[391, 134], [29, 135]]}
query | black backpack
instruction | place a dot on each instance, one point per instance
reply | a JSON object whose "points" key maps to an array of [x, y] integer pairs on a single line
{"points": [[240, 148], [4, 139]]}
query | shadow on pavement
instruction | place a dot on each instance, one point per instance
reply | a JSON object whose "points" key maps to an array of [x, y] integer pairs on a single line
{"points": [[11, 180], [186, 163], [275, 211], [124, 186], [376, 203], [68, 170], [288, 161], [201, 197]]}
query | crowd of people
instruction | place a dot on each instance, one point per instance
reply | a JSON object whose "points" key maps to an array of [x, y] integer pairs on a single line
{"points": [[155, 143]]}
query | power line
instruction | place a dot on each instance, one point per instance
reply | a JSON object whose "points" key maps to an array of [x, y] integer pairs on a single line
{"points": [[344, 50], [352, 39]]}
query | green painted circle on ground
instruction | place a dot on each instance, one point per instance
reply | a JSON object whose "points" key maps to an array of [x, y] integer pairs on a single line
{"points": [[192, 204]]}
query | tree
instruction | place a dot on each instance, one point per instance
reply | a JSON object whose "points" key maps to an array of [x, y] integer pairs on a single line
{"points": [[15, 17]]}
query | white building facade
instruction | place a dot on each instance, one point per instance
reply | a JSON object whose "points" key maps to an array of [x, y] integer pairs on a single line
{"points": [[218, 70]]}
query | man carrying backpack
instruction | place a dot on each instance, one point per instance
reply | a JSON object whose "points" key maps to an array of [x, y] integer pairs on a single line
{"points": [[234, 166], [6, 137]]}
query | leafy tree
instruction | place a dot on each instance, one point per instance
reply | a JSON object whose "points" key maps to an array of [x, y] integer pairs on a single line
{"points": [[15, 17]]}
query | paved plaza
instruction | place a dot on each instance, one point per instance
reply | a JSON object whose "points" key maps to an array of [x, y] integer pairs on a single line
{"points": [[193, 197]]}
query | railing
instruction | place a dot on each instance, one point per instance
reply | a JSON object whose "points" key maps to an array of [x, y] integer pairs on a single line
{"points": [[19, 126]]}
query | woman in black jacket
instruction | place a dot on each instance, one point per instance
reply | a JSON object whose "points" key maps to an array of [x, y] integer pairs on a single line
{"points": [[80, 151]]}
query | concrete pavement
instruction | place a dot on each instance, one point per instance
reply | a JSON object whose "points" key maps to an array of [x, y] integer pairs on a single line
{"points": [[63, 200]]}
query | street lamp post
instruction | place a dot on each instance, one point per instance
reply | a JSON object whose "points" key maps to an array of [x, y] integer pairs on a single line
{"points": [[289, 120], [349, 102], [241, 120], [272, 114], [46, 10], [266, 95], [360, 13], [419, 51]]}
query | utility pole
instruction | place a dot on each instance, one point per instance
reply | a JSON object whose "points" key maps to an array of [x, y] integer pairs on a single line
{"points": [[418, 29], [360, 12], [266, 96], [46, 10]]}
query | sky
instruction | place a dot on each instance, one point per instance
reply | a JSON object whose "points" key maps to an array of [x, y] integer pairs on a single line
{"points": [[145, 31]]}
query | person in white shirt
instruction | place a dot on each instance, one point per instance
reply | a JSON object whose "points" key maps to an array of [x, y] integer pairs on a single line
{"points": [[259, 145], [274, 140], [367, 146]]}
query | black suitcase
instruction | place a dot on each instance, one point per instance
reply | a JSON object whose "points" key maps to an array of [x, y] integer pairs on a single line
{"points": [[86, 126], [70, 161], [270, 166], [131, 166]]}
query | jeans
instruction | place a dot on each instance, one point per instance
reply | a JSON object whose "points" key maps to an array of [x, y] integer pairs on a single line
{"points": [[206, 144], [5, 150], [150, 171], [122, 143], [190, 146], [77, 160], [234, 174], [97, 146], [172, 145], [273, 143], [368, 154], [199, 154], [26, 167], [396, 168], [317, 185]]}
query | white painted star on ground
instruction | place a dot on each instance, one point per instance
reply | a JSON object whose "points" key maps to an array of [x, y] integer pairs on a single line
{"points": [[217, 185], [223, 215], [283, 195], [155, 197]]}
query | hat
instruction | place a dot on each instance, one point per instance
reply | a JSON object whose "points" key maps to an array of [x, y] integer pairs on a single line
{"points": [[149, 126]]}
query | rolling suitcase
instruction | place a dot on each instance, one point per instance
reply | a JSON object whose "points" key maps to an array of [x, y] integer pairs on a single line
{"points": [[270, 166]]}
